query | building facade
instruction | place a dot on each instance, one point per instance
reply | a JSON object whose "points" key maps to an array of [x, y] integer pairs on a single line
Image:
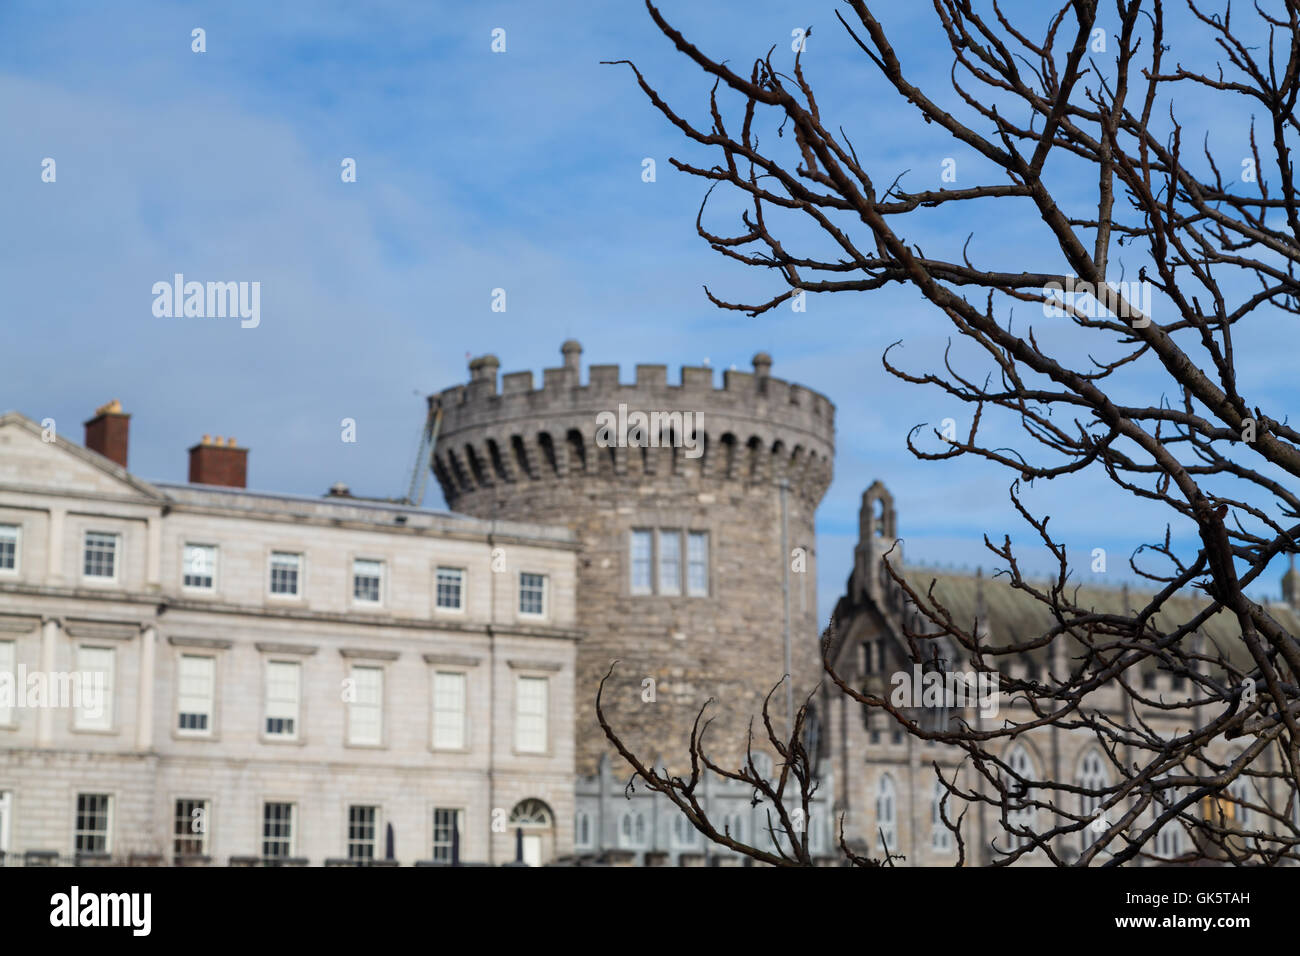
{"points": [[254, 647], [205, 673], [884, 780]]}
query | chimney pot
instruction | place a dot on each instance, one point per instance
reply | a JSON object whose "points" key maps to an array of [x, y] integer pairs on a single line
{"points": [[572, 352], [219, 463], [108, 432], [484, 368]]}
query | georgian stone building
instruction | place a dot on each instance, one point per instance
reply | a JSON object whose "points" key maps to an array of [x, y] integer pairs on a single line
{"points": [[883, 779], [276, 678]]}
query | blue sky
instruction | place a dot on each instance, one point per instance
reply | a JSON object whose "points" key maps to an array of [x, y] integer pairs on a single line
{"points": [[476, 170]]}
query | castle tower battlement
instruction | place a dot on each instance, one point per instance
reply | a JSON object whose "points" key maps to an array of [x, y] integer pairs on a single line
{"points": [[681, 495], [754, 428]]}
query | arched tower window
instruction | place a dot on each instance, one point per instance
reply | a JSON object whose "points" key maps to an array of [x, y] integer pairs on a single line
{"points": [[444, 476], [548, 451], [755, 451], [476, 465], [521, 456], [458, 470], [498, 465], [577, 452], [798, 459], [729, 454]]}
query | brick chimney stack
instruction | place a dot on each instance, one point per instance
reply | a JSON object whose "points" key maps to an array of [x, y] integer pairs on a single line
{"points": [[106, 433], [219, 462]]}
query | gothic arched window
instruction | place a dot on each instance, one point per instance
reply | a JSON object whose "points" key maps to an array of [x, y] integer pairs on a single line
{"points": [[1092, 776], [1020, 815], [940, 835], [632, 830], [886, 815]]}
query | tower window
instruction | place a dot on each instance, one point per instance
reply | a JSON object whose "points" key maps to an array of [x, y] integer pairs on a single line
{"points": [[642, 561], [697, 563], [668, 561]]}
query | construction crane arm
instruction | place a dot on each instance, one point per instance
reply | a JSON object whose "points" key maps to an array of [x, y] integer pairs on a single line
{"points": [[424, 457]]}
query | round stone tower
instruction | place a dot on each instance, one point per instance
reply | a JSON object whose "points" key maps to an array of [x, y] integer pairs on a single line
{"points": [[683, 496]]}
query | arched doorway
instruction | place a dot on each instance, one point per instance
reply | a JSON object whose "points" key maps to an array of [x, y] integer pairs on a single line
{"points": [[533, 824]]}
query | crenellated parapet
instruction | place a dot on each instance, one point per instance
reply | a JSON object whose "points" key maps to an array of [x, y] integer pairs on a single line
{"points": [[503, 431]]}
